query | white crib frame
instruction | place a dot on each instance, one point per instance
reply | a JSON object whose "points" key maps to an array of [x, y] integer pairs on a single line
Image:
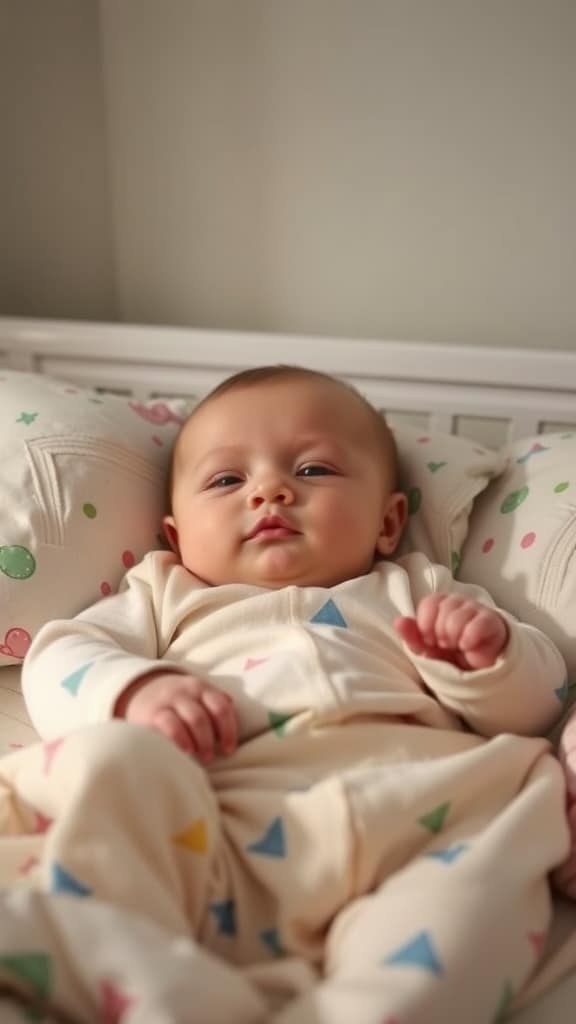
{"points": [[528, 390]]}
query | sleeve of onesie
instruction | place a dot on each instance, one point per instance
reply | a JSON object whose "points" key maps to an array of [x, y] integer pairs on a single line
{"points": [[523, 692], [77, 668]]}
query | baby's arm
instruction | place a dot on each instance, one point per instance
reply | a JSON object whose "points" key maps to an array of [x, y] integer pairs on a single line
{"points": [[108, 662], [496, 673]]}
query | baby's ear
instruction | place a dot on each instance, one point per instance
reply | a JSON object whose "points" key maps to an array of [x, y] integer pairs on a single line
{"points": [[171, 533], [393, 523]]}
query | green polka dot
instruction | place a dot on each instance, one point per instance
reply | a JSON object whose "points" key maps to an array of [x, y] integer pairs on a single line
{"points": [[455, 559], [562, 486], [414, 500], [17, 562], [514, 499], [89, 510]]}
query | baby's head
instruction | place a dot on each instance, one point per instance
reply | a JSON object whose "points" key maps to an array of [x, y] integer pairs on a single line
{"points": [[284, 476]]}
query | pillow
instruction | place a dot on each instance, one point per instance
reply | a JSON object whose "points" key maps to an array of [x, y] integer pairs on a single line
{"points": [[81, 497], [442, 474], [522, 540]]}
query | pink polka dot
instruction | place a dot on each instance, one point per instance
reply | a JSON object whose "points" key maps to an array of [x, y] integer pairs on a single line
{"points": [[128, 559], [528, 540], [105, 589], [487, 545], [158, 440]]}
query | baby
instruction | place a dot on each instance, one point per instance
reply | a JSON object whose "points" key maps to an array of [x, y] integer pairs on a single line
{"points": [[347, 717]]}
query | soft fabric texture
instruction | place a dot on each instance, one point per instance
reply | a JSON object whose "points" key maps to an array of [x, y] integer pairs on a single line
{"points": [[442, 475], [222, 901], [522, 539], [81, 497]]}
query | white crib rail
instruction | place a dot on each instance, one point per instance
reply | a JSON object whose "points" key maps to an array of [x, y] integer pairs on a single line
{"points": [[527, 390]]}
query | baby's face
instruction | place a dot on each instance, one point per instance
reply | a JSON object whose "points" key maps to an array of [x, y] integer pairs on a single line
{"points": [[282, 482]]}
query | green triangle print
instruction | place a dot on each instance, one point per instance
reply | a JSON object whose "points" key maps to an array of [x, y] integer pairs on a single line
{"points": [[434, 820], [277, 721], [329, 615], [419, 952], [33, 968], [504, 1003], [272, 843]]}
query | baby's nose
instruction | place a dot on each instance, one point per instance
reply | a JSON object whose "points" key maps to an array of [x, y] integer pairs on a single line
{"points": [[272, 491]]}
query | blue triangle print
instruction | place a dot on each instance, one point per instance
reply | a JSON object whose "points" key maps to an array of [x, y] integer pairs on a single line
{"points": [[272, 842], [450, 854], [562, 692], [419, 952], [271, 940], [73, 682], [225, 914], [329, 615], [63, 881]]}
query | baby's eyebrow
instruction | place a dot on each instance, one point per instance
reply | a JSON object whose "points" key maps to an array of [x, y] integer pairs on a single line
{"points": [[224, 452]]}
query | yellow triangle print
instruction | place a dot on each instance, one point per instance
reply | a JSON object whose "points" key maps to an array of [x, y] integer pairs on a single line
{"points": [[195, 837]]}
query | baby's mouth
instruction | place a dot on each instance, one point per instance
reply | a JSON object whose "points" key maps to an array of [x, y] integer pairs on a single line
{"points": [[272, 528]]}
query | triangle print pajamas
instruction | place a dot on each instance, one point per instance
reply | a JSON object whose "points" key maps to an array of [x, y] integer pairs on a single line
{"points": [[298, 882]]}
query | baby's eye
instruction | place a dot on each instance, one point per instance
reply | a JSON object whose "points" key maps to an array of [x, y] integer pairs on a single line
{"points": [[315, 469], [225, 480]]}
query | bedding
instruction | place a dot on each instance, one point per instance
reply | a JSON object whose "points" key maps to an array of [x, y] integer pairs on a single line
{"points": [[510, 528], [522, 539]]}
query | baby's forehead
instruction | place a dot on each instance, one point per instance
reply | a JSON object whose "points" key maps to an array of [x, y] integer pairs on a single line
{"points": [[303, 409], [285, 401]]}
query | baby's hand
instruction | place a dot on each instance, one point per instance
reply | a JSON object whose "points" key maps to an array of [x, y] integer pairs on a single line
{"points": [[450, 627], [195, 715]]}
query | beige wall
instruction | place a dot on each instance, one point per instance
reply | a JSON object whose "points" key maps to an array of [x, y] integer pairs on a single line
{"points": [[56, 251], [399, 168]]}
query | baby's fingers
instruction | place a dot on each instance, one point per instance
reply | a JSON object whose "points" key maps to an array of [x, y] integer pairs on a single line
{"points": [[199, 725], [223, 717], [168, 722], [484, 638], [408, 629]]}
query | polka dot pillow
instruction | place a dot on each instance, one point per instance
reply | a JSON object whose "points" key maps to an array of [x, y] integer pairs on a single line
{"points": [[442, 476], [81, 497], [521, 544]]}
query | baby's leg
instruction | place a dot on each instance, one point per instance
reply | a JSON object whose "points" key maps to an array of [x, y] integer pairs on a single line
{"points": [[455, 933], [116, 812]]}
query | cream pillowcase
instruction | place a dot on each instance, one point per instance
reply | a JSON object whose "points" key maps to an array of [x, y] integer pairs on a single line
{"points": [[81, 497], [521, 543], [442, 476]]}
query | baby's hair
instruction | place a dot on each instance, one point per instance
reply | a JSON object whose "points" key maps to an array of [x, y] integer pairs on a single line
{"points": [[261, 374]]}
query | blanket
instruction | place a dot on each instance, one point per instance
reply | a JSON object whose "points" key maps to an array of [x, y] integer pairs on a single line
{"points": [[113, 910]]}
